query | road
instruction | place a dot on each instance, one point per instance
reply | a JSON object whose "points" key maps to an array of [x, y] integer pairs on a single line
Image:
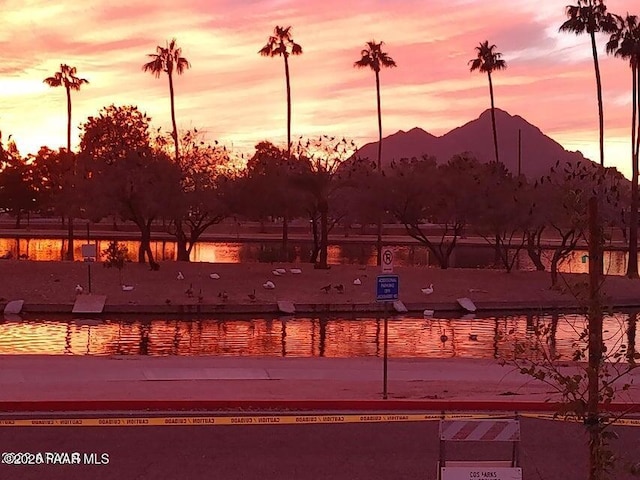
{"points": [[549, 450]]}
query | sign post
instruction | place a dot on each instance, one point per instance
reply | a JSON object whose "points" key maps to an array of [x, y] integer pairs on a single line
{"points": [[387, 260], [387, 289], [89, 252]]}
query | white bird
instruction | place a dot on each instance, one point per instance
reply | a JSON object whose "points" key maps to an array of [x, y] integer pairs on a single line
{"points": [[215, 276], [180, 276], [276, 273], [269, 285], [127, 288], [357, 281], [428, 290], [295, 270], [428, 313], [79, 289], [281, 271]]}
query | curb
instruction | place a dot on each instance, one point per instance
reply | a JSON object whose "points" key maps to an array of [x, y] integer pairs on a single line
{"points": [[63, 406], [310, 308]]}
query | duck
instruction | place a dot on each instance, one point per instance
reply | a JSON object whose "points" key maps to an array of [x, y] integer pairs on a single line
{"points": [[428, 290], [269, 285], [180, 276], [357, 281]]}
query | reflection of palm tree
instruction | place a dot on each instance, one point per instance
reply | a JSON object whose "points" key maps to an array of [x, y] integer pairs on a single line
{"points": [[631, 337], [488, 61], [167, 59], [67, 78], [625, 44], [322, 343], [145, 332], [374, 58], [590, 16], [284, 337]]}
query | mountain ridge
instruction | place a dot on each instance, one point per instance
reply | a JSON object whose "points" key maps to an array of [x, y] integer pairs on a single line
{"points": [[539, 152]]}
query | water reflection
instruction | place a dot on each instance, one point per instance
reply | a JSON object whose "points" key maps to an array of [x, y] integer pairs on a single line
{"points": [[464, 256], [488, 337]]}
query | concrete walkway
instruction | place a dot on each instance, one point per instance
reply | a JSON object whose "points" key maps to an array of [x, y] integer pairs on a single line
{"points": [[44, 383]]}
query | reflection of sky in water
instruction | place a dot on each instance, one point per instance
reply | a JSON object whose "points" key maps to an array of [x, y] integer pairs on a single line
{"points": [[488, 337], [228, 252]]}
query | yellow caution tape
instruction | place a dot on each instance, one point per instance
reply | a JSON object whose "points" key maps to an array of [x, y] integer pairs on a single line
{"points": [[225, 420], [266, 420]]}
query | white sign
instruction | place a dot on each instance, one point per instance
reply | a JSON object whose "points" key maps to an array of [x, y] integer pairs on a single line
{"points": [[481, 473], [89, 250], [387, 260]]}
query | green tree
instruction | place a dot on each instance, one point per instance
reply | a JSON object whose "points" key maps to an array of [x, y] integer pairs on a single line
{"points": [[502, 211], [489, 61], [317, 172], [374, 58], [67, 78], [126, 175], [281, 44], [625, 44], [17, 183], [168, 59], [204, 185], [58, 189], [591, 17]]}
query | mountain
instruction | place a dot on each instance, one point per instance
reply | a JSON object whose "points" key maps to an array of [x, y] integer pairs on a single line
{"points": [[539, 152]]}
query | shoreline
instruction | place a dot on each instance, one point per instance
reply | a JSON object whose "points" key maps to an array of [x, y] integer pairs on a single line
{"points": [[49, 287]]}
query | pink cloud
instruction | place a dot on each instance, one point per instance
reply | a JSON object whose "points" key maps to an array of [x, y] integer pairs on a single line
{"points": [[238, 96]]}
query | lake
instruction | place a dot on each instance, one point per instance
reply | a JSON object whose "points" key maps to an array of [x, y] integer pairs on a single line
{"points": [[481, 337], [464, 256]]}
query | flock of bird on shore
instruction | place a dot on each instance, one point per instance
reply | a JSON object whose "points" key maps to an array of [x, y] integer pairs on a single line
{"points": [[268, 285]]}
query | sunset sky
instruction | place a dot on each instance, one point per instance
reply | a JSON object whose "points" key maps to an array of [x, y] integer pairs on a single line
{"points": [[238, 97]]}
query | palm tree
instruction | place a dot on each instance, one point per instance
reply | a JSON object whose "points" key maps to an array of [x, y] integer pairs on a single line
{"points": [[590, 16], [488, 60], [374, 58], [625, 44], [167, 59], [281, 43], [67, 78]]}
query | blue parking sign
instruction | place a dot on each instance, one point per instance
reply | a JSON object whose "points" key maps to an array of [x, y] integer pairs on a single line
{"points": [[387, 288]]}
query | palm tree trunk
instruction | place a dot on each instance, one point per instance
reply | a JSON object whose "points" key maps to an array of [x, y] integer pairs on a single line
{"points": [[70, 249], [323, 207], [379, 232], [493, 119], [286, 76], [285, 221], [596, 66], [632, 265], [174, 134]]}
